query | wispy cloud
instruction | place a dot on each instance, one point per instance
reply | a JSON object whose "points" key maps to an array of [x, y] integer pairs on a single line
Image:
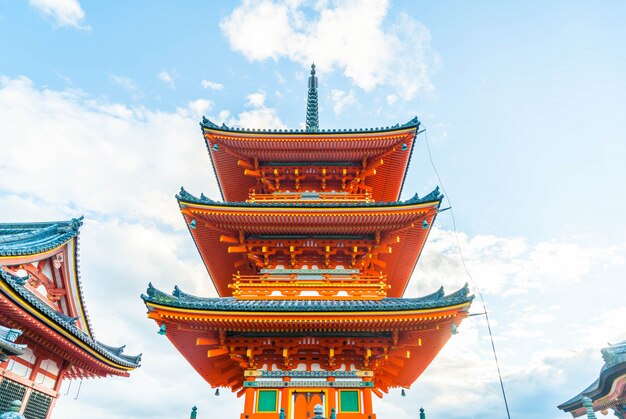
{"points": [[62, 12], [207, 84], [124, 82], [341, 100], [353, 37], [167, 78]]}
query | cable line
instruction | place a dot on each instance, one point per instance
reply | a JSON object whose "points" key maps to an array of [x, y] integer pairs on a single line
{"points": [[469, 275]]}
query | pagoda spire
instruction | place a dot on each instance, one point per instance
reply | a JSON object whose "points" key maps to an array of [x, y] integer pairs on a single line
{"points": [[312, 117]]}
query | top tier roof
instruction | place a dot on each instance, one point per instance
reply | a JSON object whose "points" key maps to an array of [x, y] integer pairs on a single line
{"points": [[227, 146], [310, 146]]}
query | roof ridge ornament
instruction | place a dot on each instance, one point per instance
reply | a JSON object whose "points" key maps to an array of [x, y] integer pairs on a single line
{"points": [[312, 114]]}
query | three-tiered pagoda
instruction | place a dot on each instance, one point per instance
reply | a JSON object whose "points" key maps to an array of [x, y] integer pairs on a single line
{"points": [[310, 253], [45, 334]]}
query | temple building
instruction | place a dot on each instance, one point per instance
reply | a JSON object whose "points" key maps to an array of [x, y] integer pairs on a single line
{"points": [[310, 252], [46, 335], [607, 392]]}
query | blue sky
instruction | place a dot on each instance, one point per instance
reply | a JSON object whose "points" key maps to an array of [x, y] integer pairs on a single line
{"points": [[523, 103]]}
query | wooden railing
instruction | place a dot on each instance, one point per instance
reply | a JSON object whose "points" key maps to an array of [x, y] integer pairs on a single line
{"points": [[310, 197], [299, 286]]}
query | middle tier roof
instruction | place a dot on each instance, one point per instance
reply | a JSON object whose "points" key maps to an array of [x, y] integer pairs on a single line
{"points": [[407, 223]]}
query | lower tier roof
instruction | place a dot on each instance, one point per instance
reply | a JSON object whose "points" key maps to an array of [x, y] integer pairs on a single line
{"points": [[179, 299], [394, 338]]}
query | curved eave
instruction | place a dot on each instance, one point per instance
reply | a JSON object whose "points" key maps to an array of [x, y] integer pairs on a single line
{"points": [[310, 147], [375, 321], [221, 306], [265, 317], [268, 321], [257, 208], [186, 199], [421, 331], [604, 386], [46, 317], [215, 220], [206, 124]]}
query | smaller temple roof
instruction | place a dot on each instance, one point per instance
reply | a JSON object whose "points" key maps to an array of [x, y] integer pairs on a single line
{"points": [[28, 301], [8, 347], [613, 370], [180, 299], [21, 239]]}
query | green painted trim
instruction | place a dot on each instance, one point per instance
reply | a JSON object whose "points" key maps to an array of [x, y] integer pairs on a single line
{"points": [[267, 401], [349, 401]]}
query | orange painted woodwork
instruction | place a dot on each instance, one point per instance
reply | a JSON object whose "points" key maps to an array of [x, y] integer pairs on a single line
{"points": [[400, 229], [310, 255], [221, 345], [234, 152]]}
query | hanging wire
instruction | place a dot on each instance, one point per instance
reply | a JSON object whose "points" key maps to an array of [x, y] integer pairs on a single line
{"points": [[43, 376], [469, 275], [30, 361], [12, 365], [79, 387], [68, 387]]}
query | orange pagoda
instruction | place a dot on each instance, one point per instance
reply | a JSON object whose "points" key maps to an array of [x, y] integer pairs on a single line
{"points": [[45, 333], [310, 253]]}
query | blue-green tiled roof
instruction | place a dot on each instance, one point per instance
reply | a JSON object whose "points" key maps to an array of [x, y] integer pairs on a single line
{"points": [[614, 367], [206, 123], [185, 196], [24, 239], [67, 323], [180, 299], [8, 347], [31, 238]]}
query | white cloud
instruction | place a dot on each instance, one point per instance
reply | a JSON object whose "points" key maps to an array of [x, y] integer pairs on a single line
{"points": [[62, 12], [198, 108], [166, 78], [508, 265], [352, 36], [264, 118], [257, 99], [342, 100], [97, 146], [207, 84], [546, 315], [261, 116]]}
